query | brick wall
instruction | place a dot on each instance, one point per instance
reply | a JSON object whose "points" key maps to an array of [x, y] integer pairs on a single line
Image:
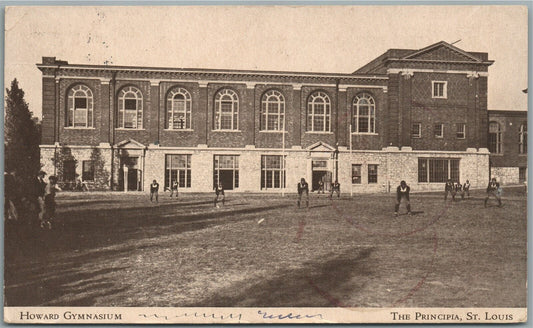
{"points": [[49, 109], [510, 126]]}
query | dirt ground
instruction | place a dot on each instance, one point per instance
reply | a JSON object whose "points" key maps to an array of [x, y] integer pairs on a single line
{"points": [[117, 249]]}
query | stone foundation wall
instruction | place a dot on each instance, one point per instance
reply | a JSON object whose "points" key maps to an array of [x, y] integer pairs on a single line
{"points": [[394, 165], [505, 175]]}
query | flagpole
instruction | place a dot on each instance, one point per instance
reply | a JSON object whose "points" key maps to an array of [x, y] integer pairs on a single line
{"points": [[351, 182]]}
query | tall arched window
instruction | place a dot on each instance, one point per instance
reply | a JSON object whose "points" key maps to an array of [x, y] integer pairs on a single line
{"points": [[80, 107], [178, 109], [495, 138], [319, 112], [272, 111], [226, 110], [522, 139], [364, 114], [130, 108]]}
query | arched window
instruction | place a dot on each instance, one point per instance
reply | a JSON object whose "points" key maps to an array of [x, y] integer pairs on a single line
{"points": [[522, 139], [364, 114], [319, 112], [226, 110], [495, 138], [80, 107], [272, 111], [130, 108], [178, 109]]}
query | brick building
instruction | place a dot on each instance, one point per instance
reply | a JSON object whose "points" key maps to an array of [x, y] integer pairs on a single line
{"points": [[507, 144], [414, 115]]}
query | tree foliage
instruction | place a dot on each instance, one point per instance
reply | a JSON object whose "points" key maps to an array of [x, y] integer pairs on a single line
{"points": [[61, 158], [101, 174], [21, 136]]}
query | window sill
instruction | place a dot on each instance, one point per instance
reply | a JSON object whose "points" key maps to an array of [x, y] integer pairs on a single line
{"points": [[461, 138], [365, 134], [238, 131], [271, 131], [496, 154], [77, 128], [179, 130], [439, 97], [318, 132], [128, 129]]}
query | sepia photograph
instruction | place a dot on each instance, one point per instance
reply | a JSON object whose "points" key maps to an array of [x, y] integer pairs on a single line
{"points": [[238, 164]]}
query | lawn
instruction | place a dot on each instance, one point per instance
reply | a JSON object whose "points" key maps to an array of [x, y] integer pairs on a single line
{"points": [[119, 249]]}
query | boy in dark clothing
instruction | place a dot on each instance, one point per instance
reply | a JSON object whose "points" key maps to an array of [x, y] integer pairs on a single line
{"points": [[335, 187], [40, 187], [219, 192], [174, 188], [449, 188], [50, 202], [466, 190], [320, 186], [458, 188], [154, 191], [402, 193], [303, 188], [493, 189]]}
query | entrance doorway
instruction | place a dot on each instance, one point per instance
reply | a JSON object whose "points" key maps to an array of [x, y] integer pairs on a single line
{"points": [[133, 174], [321, 173]]}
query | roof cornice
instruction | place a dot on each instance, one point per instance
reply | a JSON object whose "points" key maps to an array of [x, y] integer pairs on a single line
{"points": [[485, 63], [198, 71]]}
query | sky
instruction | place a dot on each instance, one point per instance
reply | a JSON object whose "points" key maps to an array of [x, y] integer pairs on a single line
{"points": [[333, 39]]}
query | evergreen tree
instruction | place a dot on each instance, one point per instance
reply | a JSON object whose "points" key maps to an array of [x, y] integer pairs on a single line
{"points": [[21, 137]]}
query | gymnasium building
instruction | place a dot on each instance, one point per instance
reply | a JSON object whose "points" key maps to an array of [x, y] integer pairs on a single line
{"points": [[415, 115]]}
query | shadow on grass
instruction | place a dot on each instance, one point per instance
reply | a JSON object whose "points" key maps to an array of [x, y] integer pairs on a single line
{"points": [[320, 283], [49, 288], [88, 232]]}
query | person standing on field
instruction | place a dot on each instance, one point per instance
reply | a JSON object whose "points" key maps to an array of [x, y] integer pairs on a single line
{"points": [[449, 188], [219, 194], [320, 186], [40, 188], [466, 190], [335, 187], [154, 191], [303, 188], [174, 188], [402, 194], [50, 202], [493, 189], [459, 188]]}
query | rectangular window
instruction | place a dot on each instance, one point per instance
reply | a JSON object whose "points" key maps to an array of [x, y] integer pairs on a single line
{"points": [[438, 130], [226, 171], [87, 171], [438, 169], [461, 131], [372, 173], [439, 89], [522, 139], [178, 168], [356, 173], [416, 130], [272, 172], [522, 174], [69, 170], [495, 138]]}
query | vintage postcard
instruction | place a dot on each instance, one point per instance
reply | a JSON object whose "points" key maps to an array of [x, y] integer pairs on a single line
{"points": [[265, 164]]}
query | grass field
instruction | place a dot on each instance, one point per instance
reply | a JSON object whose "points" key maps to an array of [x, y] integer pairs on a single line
{"points": [[118, 249]]}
